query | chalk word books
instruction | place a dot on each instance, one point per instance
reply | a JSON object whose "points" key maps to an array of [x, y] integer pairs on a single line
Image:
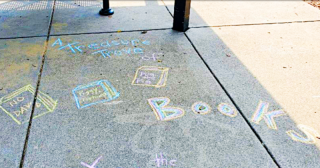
{"points": [[165, 113], [93, 93], [151, 76], [18, 104]]}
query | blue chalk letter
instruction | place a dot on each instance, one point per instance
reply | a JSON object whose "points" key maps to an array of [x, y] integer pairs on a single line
{"points": [[57, 41]]}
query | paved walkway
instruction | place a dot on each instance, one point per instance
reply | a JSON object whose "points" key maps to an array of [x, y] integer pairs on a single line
{"points": [[238, 89]]}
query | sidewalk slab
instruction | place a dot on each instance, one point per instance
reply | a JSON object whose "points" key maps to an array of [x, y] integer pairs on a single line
{"points": [[122, 130], [20, 61], [83, 17], [275, 64], [24, 18], [216, 13]]}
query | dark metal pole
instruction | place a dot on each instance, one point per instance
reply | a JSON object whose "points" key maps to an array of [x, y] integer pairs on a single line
{"points": [[106, 10], [181, 15]]}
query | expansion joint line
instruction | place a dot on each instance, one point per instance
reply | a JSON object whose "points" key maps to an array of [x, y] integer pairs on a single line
{"points": [[108, 32], [37, 88], [233, 102], [257, 24], [167, 8]]}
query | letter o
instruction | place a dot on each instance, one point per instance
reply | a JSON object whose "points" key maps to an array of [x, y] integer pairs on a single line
{"points": [[227, 110], [201, 108]]}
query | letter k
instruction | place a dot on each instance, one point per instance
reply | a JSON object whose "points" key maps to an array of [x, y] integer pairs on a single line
{"points": [[262, 113]]}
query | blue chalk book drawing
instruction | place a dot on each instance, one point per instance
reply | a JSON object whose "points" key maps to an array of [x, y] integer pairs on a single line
{"points": [[93, 93]]}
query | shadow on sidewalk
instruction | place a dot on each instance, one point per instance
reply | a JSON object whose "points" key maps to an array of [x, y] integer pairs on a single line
{"points": [[239, 83]]}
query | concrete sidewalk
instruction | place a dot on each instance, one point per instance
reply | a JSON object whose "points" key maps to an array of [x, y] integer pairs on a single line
{"points": [[238, 89]]}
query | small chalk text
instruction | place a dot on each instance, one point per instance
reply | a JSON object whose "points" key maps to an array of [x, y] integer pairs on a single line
{"points": [[93, 93], [106, 49], [161, 161], [18, 104]]}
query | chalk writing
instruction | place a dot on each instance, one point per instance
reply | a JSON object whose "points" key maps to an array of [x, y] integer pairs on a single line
{"points": [[310, 132], [163, 161], [151, 76], [164, 112], [154, 57], [262, 112], [227, 110], [107, 52], [201, 108], [18, 104], [100, 48], [72, 47], [58, 41], [93, 93], [93, 164]]}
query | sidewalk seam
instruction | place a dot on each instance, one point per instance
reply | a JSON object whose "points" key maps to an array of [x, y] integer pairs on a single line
{"points": [[21, 37], [233, 102], [256, 24], [122, 31], [74, 34], [167, 8], [37, 88]]}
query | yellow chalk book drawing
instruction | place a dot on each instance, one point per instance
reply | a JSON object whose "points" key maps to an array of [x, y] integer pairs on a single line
{"points": [[42, 99], [151, 76]]}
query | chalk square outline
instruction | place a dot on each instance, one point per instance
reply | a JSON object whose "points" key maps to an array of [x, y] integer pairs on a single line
{"points": [[163, 77], [103, 84], [44, 99]]}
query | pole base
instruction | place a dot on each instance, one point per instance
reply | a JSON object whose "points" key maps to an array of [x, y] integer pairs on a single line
{"points": [[106, 12]]}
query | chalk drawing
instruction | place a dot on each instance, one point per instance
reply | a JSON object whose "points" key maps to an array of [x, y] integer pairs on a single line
{"points": [[18, 104], [93, 164], [154, 57], [201, 108], [227, 110], [94, 46], [58, 41], [262, 112], [310, 132], [146, 120], [74, 47], [108, 52], [113, 102], [93, 93], [162, 161], [164, 112], [151, 76]]}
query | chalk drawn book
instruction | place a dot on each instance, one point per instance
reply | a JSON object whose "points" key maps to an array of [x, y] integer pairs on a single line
{"points": [[93, 93], [18, 104], [151, 76]]}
